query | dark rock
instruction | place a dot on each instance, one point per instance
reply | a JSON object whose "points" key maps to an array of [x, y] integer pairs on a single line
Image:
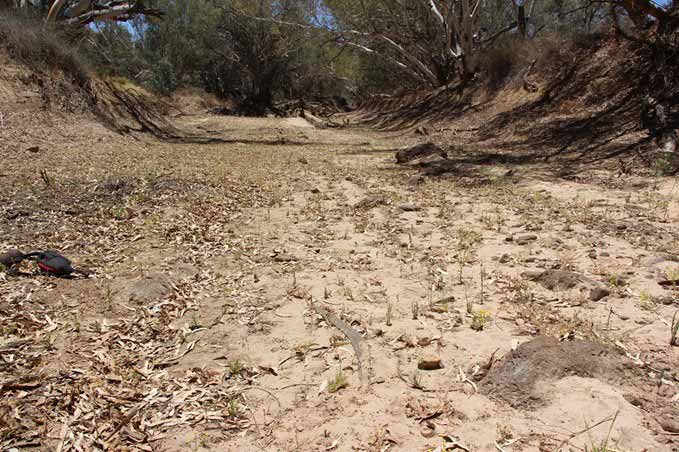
{"points": [[527, 238], [598, 293], [418, 151], [284, 258], [669, 282]]}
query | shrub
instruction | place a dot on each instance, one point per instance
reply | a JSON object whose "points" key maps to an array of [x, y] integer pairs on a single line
{"points": [[164, 79]]}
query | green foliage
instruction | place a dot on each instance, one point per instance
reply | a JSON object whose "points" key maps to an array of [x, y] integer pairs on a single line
{"points": [[163, 78], [479, 319]]}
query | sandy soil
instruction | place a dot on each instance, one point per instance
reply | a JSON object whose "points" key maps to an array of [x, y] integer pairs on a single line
{"points": [[203, 325]]}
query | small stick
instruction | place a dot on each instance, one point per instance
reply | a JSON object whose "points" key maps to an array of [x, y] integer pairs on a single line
{"points": [[585, 430], [126, 420]]}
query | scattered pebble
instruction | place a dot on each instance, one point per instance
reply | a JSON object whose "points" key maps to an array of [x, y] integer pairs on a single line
{"points": [[430, 362], [408, 207]]}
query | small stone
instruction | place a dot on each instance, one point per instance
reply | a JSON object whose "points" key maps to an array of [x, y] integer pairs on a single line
{"points": [[284, 258], [527, 238], [430, 362], [666, 301], [505, 258], [427, 432], [315, 190], [509, 238], [592, 254], [303, 161], [598, 293], [408, 207], [34, 149]]}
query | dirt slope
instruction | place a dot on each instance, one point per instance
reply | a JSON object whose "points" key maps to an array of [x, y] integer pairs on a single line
{"points": [[570, 104], [199, 327]]}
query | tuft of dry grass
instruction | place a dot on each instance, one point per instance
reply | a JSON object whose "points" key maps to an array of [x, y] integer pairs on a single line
{"points": [[25, 39]]}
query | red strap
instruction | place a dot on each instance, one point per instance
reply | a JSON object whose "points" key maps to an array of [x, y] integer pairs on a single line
{"points": [[46, 268]]}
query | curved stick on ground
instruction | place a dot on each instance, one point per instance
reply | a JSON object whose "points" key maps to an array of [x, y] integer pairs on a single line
{"points": [[351, 334]]}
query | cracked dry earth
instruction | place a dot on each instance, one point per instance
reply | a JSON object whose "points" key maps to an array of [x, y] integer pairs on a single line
{"points": [[494, 310]]}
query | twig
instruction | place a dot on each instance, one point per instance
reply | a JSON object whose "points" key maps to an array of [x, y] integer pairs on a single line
{"points": [[294, 385], [585, 430], [62, 437], [280, 406], [465, 379], [126, 420]]}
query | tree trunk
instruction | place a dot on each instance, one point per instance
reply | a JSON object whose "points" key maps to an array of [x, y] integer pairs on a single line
{"points": [[521, 19]]}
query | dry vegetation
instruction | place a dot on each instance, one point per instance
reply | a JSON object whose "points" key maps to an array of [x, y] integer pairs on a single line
{"points": [[263, 284]]}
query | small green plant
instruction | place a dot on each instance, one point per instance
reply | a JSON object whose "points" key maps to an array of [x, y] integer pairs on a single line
{"points": [[675, 330], [108, 299], [479, 319], [361, 227], [340, 382], [233, 408], [646, 302], [235, 366], [389, 314], [615, 280], [119, 213]]}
